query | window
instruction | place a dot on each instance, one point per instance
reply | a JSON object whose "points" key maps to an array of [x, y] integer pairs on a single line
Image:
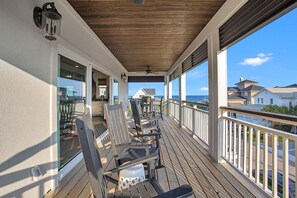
{"points": [[262, 101], [258, 100], [290, 104], [271, 101], [71, 103]]}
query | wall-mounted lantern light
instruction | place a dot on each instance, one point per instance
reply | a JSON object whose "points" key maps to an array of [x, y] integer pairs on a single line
{"points": [[48, 19], [124, 77]]}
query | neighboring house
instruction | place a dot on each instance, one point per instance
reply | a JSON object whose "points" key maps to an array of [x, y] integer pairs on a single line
{"points": [[144, 92], [243, 93], [277, 96]]}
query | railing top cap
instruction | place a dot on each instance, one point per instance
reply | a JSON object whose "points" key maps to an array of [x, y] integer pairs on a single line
{"points": [[263, 114]]}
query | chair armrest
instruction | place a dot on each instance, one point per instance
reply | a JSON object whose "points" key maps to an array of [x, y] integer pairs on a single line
{"points": [[150, 120], [181, 192], [148, 134], [132, 163], [134, 146]]}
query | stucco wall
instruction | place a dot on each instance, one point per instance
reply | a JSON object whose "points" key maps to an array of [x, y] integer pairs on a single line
{"points": [[28, 75], [25, 80]]}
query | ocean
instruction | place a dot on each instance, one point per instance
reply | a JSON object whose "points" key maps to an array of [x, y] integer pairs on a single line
{"points": [[191, 98]]}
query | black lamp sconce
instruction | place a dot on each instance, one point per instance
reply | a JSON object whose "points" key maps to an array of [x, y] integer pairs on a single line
{"points": [[124, 77], [48, 19]]}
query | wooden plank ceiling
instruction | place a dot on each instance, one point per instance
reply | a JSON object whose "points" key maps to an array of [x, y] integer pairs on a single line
{"points": [[155, 33]]}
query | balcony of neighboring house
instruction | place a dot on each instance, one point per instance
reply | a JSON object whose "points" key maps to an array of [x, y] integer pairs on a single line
{"points": [[84, 55]]}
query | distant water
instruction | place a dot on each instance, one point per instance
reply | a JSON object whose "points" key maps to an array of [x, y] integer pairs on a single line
{"points": [[191, 98]]}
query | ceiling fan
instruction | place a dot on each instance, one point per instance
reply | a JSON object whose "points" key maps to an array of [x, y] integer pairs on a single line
{"points": [[149, 71]]}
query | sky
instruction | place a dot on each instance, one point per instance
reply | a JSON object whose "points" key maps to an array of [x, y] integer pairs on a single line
{"points": [[268, 56]]}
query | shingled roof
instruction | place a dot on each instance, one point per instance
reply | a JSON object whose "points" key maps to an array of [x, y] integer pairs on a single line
{"points": [[253, 88], [246, 81], [150, 92]]}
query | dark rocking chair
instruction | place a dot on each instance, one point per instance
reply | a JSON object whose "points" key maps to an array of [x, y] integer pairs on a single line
{"points": [[98, 177]]}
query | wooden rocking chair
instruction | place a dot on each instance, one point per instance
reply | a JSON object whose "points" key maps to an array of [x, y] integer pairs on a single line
{"points": [[98, 177], [143, 124], [124, 147]]}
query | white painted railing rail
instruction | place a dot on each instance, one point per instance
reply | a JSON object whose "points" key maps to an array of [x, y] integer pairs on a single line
{"points": [[262, 153], [195, 117], [174, 108]]}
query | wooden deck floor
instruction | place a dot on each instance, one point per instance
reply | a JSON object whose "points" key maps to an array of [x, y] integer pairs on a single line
{"points": [[187, 162]]}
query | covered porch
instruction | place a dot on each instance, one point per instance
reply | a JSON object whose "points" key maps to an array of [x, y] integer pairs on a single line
{"points": [[187, 161], [107, 44]]}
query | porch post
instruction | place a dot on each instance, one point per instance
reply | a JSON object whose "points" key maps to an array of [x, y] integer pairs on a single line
{"points": [[217, 80], [111, 81], [182, 94], [166, 91], [169, 95], [89, 87]]}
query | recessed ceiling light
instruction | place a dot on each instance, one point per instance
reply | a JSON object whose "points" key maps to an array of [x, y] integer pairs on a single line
{"points": [[68, 76], [76, 66]]}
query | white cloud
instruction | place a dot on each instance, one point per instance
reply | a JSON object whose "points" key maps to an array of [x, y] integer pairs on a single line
{"points": [[257, 61], [204, 89]]}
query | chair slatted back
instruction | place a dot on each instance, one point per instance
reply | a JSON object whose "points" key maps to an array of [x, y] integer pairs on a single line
{"points": [[91, 156], [117, 125], [135, 111]]}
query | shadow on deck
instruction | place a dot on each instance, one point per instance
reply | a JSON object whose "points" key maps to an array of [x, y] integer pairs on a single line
{"points": [[187, 162]]}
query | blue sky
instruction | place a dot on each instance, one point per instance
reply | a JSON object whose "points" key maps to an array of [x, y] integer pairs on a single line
{"points": [[268, 56]]}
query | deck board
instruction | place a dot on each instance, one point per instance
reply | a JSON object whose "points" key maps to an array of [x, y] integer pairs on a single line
{"points": [[186, 162]]}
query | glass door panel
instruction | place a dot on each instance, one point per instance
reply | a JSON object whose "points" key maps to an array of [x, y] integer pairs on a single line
{"points": [[71, 103]]}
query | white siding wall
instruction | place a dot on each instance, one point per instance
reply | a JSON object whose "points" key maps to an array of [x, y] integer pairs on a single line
{"points": [[28, 78], [138, 94], [277, 100]]}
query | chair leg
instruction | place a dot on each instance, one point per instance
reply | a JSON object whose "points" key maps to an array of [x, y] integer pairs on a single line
{"points": [[159, 160]]}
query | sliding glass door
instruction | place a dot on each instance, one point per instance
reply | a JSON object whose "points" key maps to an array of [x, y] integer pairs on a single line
{"points": [[71, 103]]}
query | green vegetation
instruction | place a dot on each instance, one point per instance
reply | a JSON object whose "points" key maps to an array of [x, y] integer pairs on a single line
{"points": [[281, 109]]}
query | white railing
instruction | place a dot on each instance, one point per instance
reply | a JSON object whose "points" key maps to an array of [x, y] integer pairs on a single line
{"points": [[195, 117], [174, 108], [265, 155]]}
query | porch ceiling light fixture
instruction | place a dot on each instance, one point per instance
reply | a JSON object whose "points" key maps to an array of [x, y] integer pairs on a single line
{"points": [[48, 19], [124, 77]]}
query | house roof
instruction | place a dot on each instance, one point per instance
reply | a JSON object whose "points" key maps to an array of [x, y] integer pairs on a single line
{"points": [[253, 88], [282, 92], [151, 92], [236, 98], [246, 81], [291, 86], [233, 89]]}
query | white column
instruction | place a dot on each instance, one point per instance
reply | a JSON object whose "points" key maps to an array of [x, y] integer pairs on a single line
{"points": [[182, 94], [111, 81], [217, 79], [89, 86], [170, 90], [123, 94], [166, 94]]}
